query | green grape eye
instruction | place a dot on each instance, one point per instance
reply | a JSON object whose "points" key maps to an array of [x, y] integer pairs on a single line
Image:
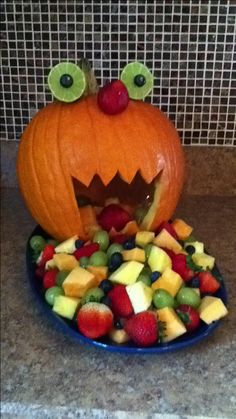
{"points": [[137, 79], [67, 82]]}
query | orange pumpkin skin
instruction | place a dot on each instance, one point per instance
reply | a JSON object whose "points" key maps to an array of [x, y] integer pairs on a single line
{"points": [[78, 140]]}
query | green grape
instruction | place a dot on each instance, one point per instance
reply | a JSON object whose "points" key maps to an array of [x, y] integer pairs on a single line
{"points": [[102, 238], [148, 250], [98, 258], [114, 248], [37, 243], [162, 298], [84, 261], [52, 293], [188, 296], [92, 295], [60, 277], [145, 279]]}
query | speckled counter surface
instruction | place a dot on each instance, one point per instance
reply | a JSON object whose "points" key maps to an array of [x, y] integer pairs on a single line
{"points": [[47, 375]]}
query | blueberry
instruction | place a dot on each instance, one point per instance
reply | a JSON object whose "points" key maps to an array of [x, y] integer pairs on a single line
{"points": [[106, 285], [119, 324], [106, 300], [190, 249], [155, 275], [129, 244], [115, 261], [79, 243], [194, 282]]}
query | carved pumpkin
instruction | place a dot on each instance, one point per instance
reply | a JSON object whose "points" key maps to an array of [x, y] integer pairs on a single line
{"points": [[77, 143]]}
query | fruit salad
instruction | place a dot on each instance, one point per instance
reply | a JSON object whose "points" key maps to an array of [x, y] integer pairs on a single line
{"points": [[130, 285]]}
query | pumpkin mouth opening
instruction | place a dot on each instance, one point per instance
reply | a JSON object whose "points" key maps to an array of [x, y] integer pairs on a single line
{"points": [[137, 197]]}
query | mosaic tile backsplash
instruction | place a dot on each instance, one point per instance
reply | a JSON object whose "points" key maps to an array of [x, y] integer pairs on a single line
{"points": [[188, 45]]}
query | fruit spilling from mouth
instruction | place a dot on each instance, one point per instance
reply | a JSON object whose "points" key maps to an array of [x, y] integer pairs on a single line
{"points": [[147, 289]]}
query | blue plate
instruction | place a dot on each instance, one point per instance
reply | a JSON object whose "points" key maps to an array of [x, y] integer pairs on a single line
{"points": [[70, 327]]}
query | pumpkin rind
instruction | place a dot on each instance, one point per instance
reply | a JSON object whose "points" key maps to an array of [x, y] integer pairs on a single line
{"points": [[77, 140]]}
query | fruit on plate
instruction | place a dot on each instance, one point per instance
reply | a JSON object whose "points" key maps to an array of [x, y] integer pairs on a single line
{"points": [[113, 216], [140, 296], [94, 320], [188, 296], [127, 273], [189, 316], [143, 238], [169, 281], [78, 282], [65, 306], [142, 328], [134, 254], [119, 335], [203, 260], [120, 301], [67, 246], [212, 309], [174, 327], [166, 240], [182, 229], [65, 262], [158, 259]]}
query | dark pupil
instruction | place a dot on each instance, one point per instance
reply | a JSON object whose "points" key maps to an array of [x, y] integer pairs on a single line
{"points": [[66, 80], [139, 80]]}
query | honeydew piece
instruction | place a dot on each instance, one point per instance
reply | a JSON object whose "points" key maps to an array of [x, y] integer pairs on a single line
{"points": [[159, 260], [100, 272], [165, 239], [140, 296], [50, 264], [203, 260], [143, 238], [134, 254], [127, 273], [67, 246], [174, 327], [182, 229], [65, 306], [170, 281], [198, 246], [78, 282], [212, 309], [65, 262], [119, 335]]}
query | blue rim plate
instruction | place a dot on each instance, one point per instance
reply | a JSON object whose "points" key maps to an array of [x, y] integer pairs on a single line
{"points": [[70, 329]]}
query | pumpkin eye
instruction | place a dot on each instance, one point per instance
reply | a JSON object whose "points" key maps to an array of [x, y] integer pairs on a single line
{"points": [[137, 79], [67, 82]]}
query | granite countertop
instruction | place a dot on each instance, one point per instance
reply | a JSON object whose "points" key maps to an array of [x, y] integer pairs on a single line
{"points": [[47, 375]]}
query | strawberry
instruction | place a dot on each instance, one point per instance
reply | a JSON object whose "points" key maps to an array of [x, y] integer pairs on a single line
{"points": [[40, 271], [179, 265], [189, 316], [49, 279], [86, 250], [142, 328], [46, 254], [94, 320], [208, 283], [120, 302], [119, 238], [168, 227], [113, 216]]}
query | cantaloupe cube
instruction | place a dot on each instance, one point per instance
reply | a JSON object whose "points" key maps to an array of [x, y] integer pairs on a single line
{"points": [[134, 254], [203, 260], [127, 273], [174, 327], [68, 246], [212, 309], [143, 238], [78, 282], [89, 220], [130, 228], [140, 296], [100, 272], [65, 306], [65, 262], [182, 229], [165, 239], [158, 259], [170, 281]]}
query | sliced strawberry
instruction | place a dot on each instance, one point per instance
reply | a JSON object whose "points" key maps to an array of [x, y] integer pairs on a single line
{"points": [[168, 227], [208, 283], [189, 316], [113, 216], [179, 265], [46, 255], [94, 320], [119, 238], [40, 271], [142, 328], [49, 279], [86, 250], [120, 303]]}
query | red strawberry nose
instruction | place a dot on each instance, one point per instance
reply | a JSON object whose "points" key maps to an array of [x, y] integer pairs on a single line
{"points": [[113, 98]]}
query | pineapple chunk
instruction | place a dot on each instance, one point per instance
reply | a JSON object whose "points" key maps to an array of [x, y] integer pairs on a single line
{"points": [[140, 296], [143, 238], [127, 273], [50, 264], [68, 246], [182, 229], [165, 239], [65, 306], [174, 327], [159, 260], [198, 246], [170, 281], [65, 262], [212, 309], [203, 260], [78, 282], [134, 254]]}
